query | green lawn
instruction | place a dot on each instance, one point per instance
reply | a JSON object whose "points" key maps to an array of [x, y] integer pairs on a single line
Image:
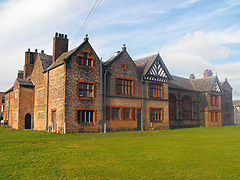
{"points": [[194, 153]]}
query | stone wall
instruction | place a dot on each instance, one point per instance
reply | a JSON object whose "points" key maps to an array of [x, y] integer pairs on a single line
{"points": [[40, 95], [57, 98], [76, 73]]}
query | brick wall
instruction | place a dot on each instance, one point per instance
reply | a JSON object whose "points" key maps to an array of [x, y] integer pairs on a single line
{"points": [[74, 74], [25, 98], [40, 95], [207, 108], [57, 97], [113, 100]]}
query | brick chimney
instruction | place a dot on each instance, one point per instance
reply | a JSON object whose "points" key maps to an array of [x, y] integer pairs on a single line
{"points": [[29, 63], [60, 45], [20, 74], [207, 73], [192, 76]]}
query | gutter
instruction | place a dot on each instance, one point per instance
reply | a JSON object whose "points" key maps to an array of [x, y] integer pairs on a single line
{"points": [[9, 106], [47, 100], [101, 99], [33, 108], [143, 120], [105, 101]]}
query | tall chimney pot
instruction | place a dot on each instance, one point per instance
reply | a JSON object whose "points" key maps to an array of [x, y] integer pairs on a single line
{"points": [[60, 46], [192, 76], [207, 73]]}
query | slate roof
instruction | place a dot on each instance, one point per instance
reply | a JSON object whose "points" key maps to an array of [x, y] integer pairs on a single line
{"points": [[60, 60], [25, 83], [144, 63], [113, 58], [181, 83], [46, 60], [204, 84], [201, 84]]}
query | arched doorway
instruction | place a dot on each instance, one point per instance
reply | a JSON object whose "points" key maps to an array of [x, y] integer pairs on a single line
{"points": [[28, 121], [172, 110]]}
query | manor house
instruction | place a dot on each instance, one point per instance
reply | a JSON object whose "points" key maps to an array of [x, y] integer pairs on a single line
{"points": [[75, 91]]}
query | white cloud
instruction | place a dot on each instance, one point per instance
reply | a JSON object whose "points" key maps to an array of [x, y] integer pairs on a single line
{"points": [[194, 51], [30, 23], [187, 3]]}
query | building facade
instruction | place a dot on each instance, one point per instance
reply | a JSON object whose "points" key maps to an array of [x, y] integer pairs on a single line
{"points": [[75, 91], [2, 104], [236, 109]]}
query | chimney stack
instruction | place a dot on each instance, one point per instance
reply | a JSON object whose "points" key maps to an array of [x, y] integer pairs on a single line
{"points": [[20, 74], [192, 76], [60, 45], [30, 58], [207, 73]]}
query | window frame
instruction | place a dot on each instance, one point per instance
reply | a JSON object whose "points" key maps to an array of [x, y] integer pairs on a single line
{"points": [[213, 116], [127, 79], [38, 113], [161, 89], [214, 100], [93, 89], [40, 93], [86, 53], [124, 65], [121, 118], [187, 108], [162, 115], [3, 99], [86, 109]]}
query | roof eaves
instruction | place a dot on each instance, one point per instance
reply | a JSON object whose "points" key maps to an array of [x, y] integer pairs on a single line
{"points": [[9, 90], [108, 63], [62, 58]]}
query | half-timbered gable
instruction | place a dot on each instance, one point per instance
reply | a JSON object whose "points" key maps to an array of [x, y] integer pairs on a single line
{"points": [[153, 69], [155, 77], [216, 87]]}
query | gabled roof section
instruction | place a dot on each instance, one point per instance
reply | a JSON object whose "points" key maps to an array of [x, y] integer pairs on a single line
{"points": [[207, 84], [113, 58], [181, 83], [25, 83], [216, 87], [153, 68], [225, 85], [46, 60], [60, 60], [144, 63]]}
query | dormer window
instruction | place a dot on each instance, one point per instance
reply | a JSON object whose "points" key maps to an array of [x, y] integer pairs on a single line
{"points": [[124, 65], [85, 59]]}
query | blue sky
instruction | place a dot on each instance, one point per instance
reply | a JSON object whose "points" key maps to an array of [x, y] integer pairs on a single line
{"points": [[190, 35]]}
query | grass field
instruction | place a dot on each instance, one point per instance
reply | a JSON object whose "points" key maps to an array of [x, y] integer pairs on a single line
{"points": [[195, 153]]}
